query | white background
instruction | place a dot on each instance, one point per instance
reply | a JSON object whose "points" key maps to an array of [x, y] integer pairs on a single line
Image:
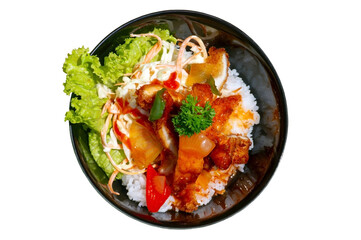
{"points": [[315, 192]]}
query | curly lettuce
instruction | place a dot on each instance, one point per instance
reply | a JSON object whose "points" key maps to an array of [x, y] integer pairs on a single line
{"points": [[84, 71], [127, 55]]}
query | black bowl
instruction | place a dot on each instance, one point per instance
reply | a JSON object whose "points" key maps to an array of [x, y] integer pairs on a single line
{"points": [[269, 136]]}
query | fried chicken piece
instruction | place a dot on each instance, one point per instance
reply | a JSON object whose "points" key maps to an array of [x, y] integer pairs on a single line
{"points": [[188, 166], [208, 163], [186, 172], [165, 132], [177, 97], [230, 149], [203, 93], [219, 58], [240, 149], [185, 199], [221, 156], [223, 108], [146, 95], [163, 127]]}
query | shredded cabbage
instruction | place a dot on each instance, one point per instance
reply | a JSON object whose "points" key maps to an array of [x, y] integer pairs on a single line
{"points": [[85, 72]]}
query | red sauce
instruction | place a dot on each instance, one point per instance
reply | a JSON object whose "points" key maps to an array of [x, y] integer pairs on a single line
{"points": [[121, 136], [171, 83], [142, 119], [123, 105], [124, 108]]}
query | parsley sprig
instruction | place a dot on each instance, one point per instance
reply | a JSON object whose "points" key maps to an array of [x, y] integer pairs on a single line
{"points": [[192, 118]]}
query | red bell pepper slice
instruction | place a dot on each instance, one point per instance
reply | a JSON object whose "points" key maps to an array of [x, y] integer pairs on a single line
{"points": [[157, 190]]}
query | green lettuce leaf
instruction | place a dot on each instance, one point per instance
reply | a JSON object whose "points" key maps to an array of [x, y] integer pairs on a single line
{"points": [[86, 107], [165, 35], [84, 72], [96, 149], [87, 111], [83, 142], [127, 55]]}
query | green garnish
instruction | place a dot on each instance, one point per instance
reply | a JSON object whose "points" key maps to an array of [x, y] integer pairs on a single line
{"points": [[85, 71], [212, 84], [192, 118], [158, 106]]}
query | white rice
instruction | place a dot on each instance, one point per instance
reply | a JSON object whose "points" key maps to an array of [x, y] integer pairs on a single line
{"points": [[235, 85], [136, 184]]}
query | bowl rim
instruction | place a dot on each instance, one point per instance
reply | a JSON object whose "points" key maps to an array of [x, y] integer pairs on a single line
{"points": [[275, 160]]}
